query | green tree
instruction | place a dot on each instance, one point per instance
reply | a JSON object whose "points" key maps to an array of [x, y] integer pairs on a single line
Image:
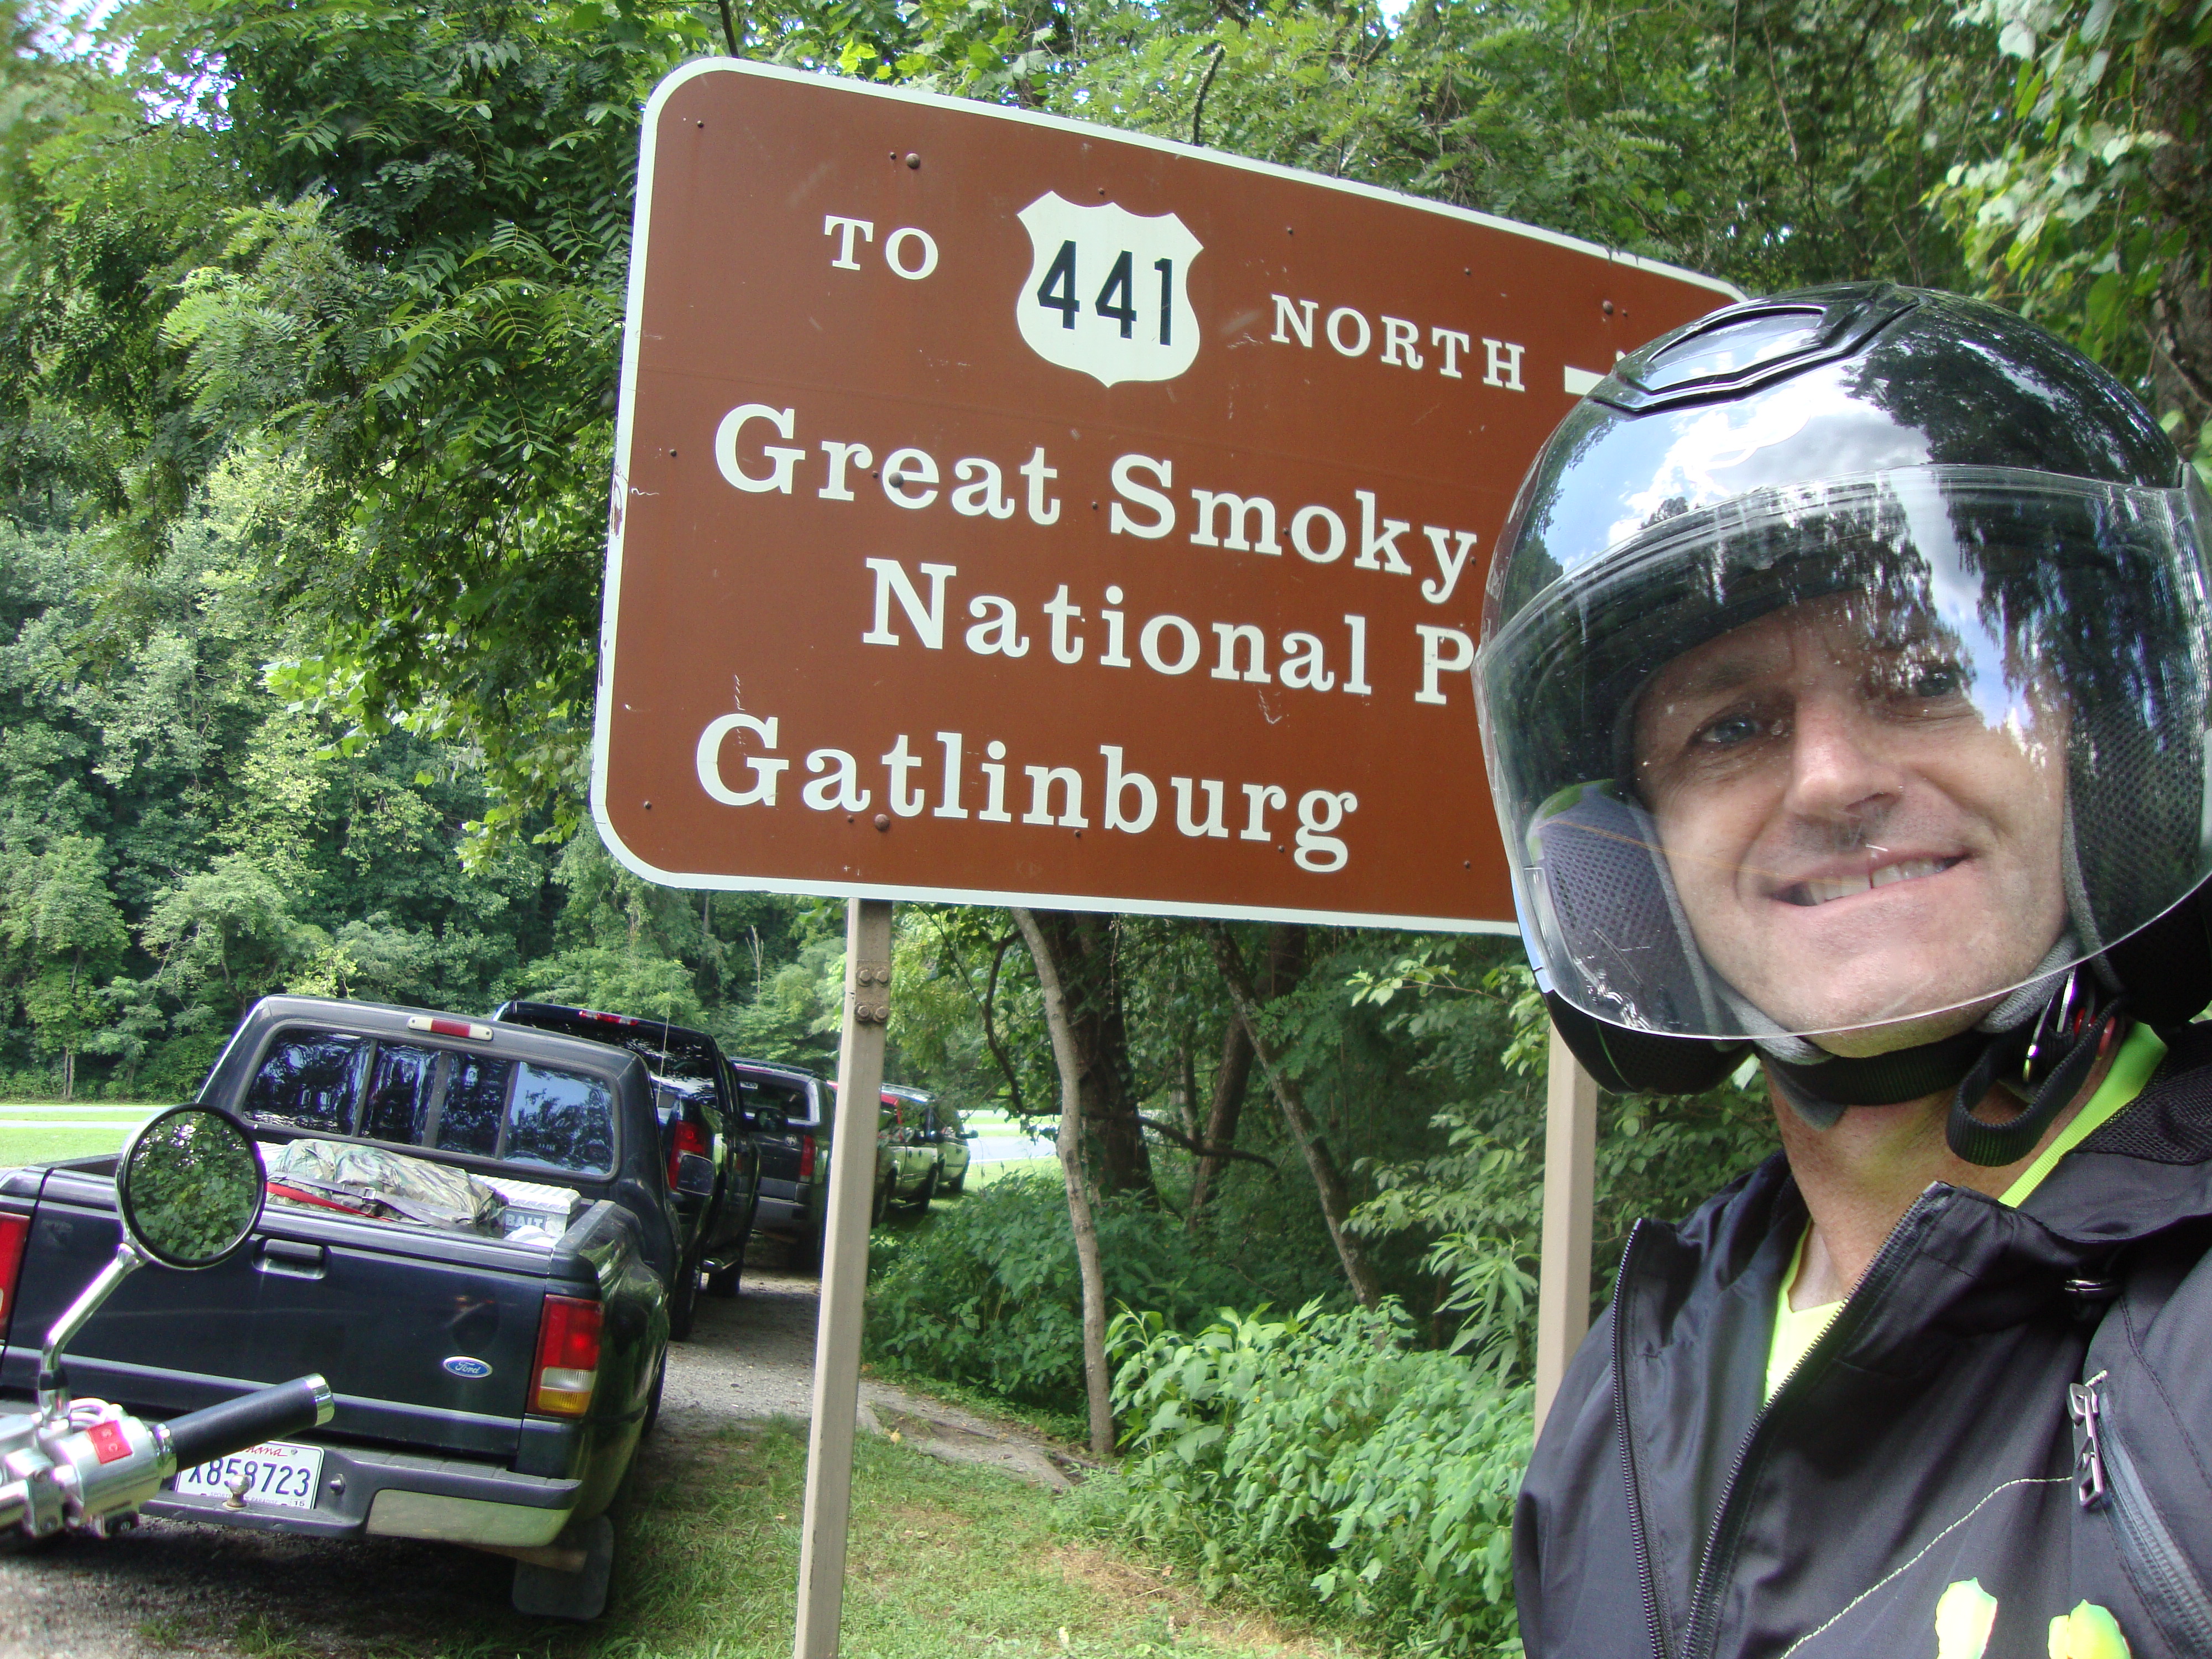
{"points": [[225, 936], [63, 914], [422, 309], [2095, 216], [619, 982]]}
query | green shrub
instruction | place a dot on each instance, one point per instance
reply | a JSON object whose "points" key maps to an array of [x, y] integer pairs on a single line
{"points": [[1319, 1458], [987, 1294]]}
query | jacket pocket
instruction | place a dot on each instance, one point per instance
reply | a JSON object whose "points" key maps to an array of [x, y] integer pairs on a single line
{"points": [[2106, 1481]]}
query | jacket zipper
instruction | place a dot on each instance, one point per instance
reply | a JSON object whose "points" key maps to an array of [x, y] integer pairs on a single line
{"points": [[1880, 1272], [2105, 1479], [1644, 1576]]}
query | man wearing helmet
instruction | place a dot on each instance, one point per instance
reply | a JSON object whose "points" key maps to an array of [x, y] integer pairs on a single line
{"points": [[1847, 674]]}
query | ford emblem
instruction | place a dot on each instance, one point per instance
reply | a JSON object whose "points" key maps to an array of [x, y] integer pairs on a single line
{"points": [[462, 1365]]}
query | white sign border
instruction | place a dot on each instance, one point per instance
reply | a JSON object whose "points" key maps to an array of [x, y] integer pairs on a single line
{"points": [[618, 518]]}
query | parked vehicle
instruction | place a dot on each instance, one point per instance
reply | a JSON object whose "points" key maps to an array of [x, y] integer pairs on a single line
{"points": [[906, 1161], [941, 1127], [907, 1153], [471, 1234], [701, 1113], [794, 1166]]}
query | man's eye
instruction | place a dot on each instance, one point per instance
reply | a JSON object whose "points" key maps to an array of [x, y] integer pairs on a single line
{"points": [[1944, 679], [1728, 731]]}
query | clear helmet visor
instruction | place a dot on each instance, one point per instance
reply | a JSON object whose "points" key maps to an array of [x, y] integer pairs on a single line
{"points": [[1872, 755]]}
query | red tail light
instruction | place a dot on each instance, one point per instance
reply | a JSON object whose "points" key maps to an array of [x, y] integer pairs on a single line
{"points": [[690, 1138], [806, 1157], [567, 1356], [15, 1234]]}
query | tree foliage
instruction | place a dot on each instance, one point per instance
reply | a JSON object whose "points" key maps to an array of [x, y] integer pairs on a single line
{"points": [[2094, 214], [1317, 1459]]}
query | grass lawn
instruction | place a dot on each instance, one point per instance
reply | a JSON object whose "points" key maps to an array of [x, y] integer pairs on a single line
{"points": [[982, 1174], [32, 1132], [945, 1559]]}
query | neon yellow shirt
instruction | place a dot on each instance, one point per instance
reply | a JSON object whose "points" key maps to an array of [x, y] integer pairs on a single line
{"points": [[1797, 1329]]}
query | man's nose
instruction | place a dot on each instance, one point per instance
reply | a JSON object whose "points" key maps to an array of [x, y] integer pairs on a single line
{"points": [[1840, 767]]}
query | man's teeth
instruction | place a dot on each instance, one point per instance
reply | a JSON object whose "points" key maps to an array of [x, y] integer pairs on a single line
{"points": [[1820, 890]]}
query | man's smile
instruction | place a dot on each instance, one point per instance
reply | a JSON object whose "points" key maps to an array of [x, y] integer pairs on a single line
{"points": [[1828, 887]]}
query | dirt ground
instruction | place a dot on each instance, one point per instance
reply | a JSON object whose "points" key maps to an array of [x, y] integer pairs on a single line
{"points": [[177, 1583]]}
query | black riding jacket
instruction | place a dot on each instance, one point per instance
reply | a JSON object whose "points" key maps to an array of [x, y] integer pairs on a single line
{"points": [[1670, 1512]]}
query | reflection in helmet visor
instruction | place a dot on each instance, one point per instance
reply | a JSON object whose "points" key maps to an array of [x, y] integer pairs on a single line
{"points": [[1862, 752]]}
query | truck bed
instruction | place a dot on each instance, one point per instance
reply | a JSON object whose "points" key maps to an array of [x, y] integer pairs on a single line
{"points": [[376, 1306]]}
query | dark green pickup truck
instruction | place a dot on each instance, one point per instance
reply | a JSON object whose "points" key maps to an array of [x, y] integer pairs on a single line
{"points": [[492, 1379]]}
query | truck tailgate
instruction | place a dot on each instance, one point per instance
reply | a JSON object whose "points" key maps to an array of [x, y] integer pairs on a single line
{"points": [[377, 1308]]}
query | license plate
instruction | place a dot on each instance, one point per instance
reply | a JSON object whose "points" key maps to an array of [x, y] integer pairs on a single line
{"points": [[275, 1474]]}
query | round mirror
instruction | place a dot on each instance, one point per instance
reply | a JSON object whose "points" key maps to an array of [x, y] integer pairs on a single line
{"points": [[190, 1186]]}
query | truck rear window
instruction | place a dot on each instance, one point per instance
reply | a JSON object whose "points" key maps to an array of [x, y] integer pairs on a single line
{"points": [[414, 1095], [475, 1104], [308, 1081], [561, 1118], [789, 1097]]}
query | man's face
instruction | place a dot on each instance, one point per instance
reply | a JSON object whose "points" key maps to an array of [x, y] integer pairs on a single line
{"points": [[1854, 841]]}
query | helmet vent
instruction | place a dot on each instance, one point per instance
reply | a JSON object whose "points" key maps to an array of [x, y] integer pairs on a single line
{"points": [[1735, 349], [1749, 345]]}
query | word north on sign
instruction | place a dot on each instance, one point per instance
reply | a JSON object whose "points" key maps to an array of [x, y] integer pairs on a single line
{"points": [[1010, 510]]}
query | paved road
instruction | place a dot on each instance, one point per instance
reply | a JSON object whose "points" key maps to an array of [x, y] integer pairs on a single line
{"points": [[214, 1591]]}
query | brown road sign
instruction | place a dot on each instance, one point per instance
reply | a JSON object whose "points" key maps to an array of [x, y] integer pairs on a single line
{"points": [[1009, 510]]}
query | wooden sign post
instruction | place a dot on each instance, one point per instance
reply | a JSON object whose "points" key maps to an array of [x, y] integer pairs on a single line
{"points": [[1570, 1189], [844, 1279]]}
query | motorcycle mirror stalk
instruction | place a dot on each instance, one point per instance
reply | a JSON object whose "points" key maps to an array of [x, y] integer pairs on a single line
{"points": [[189, 1188]]}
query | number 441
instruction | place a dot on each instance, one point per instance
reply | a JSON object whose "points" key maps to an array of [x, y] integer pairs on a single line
{"points": [[1116, 299]]}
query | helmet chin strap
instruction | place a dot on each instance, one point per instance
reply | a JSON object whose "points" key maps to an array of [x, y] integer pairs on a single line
{"points": [[2026, 1027], [1818, 1092], [2045, 1060], [2053, 1058]]}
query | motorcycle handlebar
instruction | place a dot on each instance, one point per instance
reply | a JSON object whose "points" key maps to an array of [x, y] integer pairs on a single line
{"points": [[268, 1413]]}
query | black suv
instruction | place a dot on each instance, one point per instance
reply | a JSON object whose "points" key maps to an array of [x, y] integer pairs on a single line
{"points": [[703, 1114]]}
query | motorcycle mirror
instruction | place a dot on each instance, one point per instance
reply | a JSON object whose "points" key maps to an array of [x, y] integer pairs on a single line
{"points": [[189, 1186]]}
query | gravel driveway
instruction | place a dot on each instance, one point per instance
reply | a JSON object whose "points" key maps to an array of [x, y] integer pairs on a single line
{"points": [[176, 1584]]}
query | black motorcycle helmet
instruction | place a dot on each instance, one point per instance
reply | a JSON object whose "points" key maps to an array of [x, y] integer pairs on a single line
{"points": [[1981, 545]]}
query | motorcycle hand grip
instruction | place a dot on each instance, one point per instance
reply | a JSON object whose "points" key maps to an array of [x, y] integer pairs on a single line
{"points": [[200, 1437]]}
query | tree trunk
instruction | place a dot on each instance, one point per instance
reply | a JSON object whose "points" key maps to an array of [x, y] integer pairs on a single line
{"points": [[1328, 1182], [2181, 312], [69, 1050], [1082, 951], [1186, 1089], [1286, 952], [1231, 1080], [991, 1031], [1096, 1384]]}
